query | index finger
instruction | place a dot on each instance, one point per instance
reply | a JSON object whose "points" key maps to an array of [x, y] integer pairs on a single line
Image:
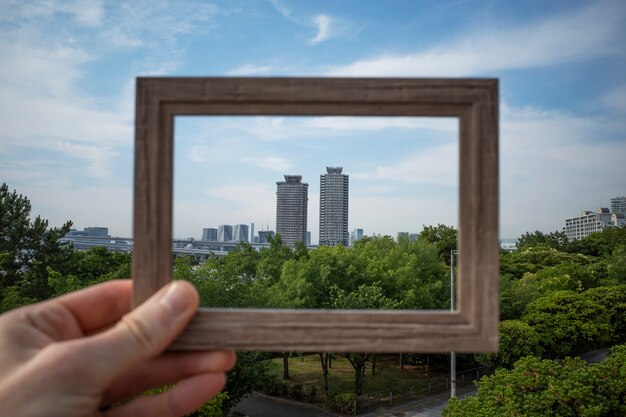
{"points": [[99, 306]]}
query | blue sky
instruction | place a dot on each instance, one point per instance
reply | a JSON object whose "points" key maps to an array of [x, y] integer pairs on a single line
{"points": [[67, 72]]}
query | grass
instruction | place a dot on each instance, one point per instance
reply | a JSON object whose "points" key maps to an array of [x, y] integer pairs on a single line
{"points": [[306, 370]]}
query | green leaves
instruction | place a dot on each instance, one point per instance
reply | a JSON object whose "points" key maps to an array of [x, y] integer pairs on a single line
{"points": [[568, 322], [538, 388]]}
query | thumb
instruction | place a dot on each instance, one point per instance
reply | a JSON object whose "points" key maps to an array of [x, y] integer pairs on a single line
{"points": [[144, 332]]}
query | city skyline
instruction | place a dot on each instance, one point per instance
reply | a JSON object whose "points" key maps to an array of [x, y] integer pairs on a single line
{"points": [[67, 106]]}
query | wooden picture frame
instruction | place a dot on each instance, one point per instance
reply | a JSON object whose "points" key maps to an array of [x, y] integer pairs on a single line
{"points": [[472, 327]]}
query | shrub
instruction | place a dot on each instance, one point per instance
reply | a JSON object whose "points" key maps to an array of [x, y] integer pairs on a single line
{"points": [[341, 402], [273, 385], [295, 392], [309, 393]]}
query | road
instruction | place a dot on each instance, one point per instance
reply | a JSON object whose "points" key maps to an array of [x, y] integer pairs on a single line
{"points": [[259, 405]]}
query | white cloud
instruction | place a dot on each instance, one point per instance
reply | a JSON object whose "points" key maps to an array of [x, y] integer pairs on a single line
{"points": [[585, 33], [272, 163], [409, 213], [59, 201], [435, 166], [250, 69], [615, 99], [84, 12], [346, 123], [98, 157], [553, 165], [324, 29]]}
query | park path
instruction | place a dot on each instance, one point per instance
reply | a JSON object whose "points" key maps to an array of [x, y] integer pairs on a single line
{"points": [[260, 405]]}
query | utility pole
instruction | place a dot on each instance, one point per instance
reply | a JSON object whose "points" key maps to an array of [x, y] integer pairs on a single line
{"points": [[452, 354]]}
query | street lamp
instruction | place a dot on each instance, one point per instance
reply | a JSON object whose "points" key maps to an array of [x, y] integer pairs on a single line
{"points": [[452, 354]]}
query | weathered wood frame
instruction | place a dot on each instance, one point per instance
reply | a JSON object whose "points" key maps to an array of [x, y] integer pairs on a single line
{"points": [[473, 327]]}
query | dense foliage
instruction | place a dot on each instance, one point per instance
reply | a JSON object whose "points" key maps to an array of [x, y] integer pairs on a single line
{"points": [[558, 298], [540, 388]]}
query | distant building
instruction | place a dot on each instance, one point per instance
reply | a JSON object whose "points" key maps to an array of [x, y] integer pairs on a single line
{"points": [[618, 205], [240, 233], [308, 238], [355, 235], [90, 232], [508, 245], [402, 235], [334, 207], [618, 219], [252, 238], [263, 235], [588, 222], [292, 198], [225, 233], [209, 234]]}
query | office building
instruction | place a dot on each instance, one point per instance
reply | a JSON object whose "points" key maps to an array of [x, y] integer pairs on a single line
{"points": [[225, 233], [209, 234], [263, 235], [355, 235], [90, 232], [618, 205], [240, 233], [402, 236], [334, 207], [588, 222], [292, 198]]}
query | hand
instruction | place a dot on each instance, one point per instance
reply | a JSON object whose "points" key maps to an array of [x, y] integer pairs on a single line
{"points": [[71, 355]]}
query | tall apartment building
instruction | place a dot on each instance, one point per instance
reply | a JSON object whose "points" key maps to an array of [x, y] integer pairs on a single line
{"points": [[209, 234], [240, 233], [618, 205], [334, 207], [292, 198], [588, 222], [225, 233]]}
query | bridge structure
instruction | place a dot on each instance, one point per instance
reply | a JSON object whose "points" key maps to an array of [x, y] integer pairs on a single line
{"points": [[197, 248]]}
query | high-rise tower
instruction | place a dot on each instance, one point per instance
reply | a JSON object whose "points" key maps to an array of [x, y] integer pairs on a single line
{"points": [[292, 198], [334, 207], [618, 205]]}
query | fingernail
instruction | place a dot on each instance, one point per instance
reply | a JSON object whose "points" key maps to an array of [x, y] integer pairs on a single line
{"points": [[175, 299]]}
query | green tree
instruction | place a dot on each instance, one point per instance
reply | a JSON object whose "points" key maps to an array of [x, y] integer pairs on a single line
{"points": [[272, 259], [444, 237], [617, 266], [366, 297], [539, 388], [28, 247], [614, 300], [554, 240], [248, 375], [517, 340], [600, 244], [567, 322]]}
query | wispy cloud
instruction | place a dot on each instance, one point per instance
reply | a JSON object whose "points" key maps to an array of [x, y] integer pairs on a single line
{"points": [[573, 37], [265, 69], [272, 163], [84, 12], [552, 159], [98, 157], [432, 166], [615, 99], [324, 29], [43, 71]]}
